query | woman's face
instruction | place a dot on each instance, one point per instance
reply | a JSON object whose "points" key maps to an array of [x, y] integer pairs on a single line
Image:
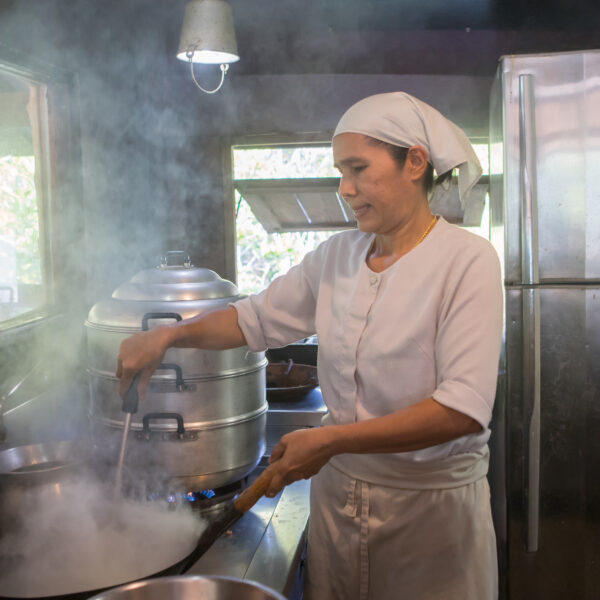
{"points": [[382, 195]]}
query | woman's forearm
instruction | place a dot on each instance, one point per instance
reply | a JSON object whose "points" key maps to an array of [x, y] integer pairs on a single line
{"points": [[215, 330], [302, 453], [143, 352], [424, 424]]}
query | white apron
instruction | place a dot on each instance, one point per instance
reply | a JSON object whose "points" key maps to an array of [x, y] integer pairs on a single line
{"points": [[371, 542]]}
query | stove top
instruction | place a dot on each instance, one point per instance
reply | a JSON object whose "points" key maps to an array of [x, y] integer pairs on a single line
{"points": [[203, 500], [267, 544]]}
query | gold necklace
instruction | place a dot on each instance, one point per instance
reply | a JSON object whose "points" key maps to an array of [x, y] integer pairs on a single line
{"points": [[372, 250], [429, 228]]}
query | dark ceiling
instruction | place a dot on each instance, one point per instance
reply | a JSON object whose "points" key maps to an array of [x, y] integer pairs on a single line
{"points": [[406, 36], [429, 37], [394, 15]]}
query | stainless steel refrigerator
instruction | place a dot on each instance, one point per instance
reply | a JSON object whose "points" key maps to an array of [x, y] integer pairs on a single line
{"points": [[545, 222]]}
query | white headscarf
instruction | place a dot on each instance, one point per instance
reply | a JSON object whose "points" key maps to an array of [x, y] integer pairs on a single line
{"points": [[402, 120]]}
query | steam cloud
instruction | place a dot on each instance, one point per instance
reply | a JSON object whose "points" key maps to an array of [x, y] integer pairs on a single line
{"points": [[85, 541]]}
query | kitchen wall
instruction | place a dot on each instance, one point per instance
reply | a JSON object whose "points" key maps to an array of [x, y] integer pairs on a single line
{"points": [[109, 221], [119, 86]]}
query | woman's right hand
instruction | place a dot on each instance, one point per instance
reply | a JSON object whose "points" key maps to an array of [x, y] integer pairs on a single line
{"points": [[142, 352]]}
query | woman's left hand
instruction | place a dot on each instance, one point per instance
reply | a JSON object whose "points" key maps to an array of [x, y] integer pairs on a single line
{"points": [[299, 455]]}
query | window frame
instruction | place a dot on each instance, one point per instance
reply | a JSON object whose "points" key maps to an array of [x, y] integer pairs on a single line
{"points": [[59, 178], [254, 141]]}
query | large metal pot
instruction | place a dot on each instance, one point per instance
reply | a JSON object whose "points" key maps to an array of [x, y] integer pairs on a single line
{"points": [[191, 588], [203, 421]]}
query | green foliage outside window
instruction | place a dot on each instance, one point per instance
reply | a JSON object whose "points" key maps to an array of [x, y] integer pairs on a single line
{"points": [[262, 256], [19, 220]]}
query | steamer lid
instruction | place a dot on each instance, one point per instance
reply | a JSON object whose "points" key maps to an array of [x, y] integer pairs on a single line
{"points": [[174, 289], [175, 279]]}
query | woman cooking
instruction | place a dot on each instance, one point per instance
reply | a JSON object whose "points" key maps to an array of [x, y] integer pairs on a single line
{"points": [[408, 314]]}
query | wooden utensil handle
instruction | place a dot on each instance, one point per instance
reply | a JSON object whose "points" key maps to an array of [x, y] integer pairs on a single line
{"points": [[254, 492]]}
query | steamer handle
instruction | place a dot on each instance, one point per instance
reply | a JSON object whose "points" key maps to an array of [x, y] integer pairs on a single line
{"points": [[175, 258], [150, 416], [158, 315], [179, 382]]}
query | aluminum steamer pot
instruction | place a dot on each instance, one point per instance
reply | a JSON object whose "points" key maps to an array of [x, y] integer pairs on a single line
{"points": [[202, 424], [191, 588]]}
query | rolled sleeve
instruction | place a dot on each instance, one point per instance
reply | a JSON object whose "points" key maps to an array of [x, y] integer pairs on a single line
{"points": [[250, 325], [285, 311], [462, 398]]}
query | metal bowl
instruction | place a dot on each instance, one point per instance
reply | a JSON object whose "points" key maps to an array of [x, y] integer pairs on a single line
{"points": [[41, 463], [185, 587], [35, 475]]}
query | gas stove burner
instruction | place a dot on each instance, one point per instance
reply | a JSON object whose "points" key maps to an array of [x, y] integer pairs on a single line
{"points": [[203, 500], [174, 497]]}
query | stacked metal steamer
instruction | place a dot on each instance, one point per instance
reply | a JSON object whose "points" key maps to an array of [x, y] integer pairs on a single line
{"points": [[202, 423]]}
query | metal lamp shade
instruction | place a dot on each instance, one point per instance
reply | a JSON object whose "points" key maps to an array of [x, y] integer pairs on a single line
{"points": [[208, 32]]}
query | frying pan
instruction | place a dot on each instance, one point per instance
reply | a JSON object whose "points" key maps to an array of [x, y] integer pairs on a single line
{"points": [[233, 511], [290, 381]]}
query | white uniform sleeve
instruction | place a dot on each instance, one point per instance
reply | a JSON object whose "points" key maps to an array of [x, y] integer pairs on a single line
{"points": [[469, 337], [285, 311]]}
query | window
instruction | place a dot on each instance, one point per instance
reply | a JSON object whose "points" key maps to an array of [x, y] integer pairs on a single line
{"points": [[283, 186], [287, 203], [24, 284]]}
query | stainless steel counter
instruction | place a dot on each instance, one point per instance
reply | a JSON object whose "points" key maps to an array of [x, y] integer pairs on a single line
{"points": [[285, 416], [266, 545]]}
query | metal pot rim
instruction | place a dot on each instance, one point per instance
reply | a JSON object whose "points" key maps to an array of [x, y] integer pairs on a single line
{"points": [[198, 426], [70, 454], [185, 579]]}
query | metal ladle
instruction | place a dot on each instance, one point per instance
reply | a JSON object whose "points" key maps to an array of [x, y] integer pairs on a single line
{"points": [[129, 407]]}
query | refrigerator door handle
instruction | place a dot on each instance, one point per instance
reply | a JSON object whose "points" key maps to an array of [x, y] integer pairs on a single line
{"points": [[532, 399], [531, 301], [528, 182]]}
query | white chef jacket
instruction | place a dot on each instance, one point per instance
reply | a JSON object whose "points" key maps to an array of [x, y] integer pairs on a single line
{"points": [[428, 325], [413, 525]]}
